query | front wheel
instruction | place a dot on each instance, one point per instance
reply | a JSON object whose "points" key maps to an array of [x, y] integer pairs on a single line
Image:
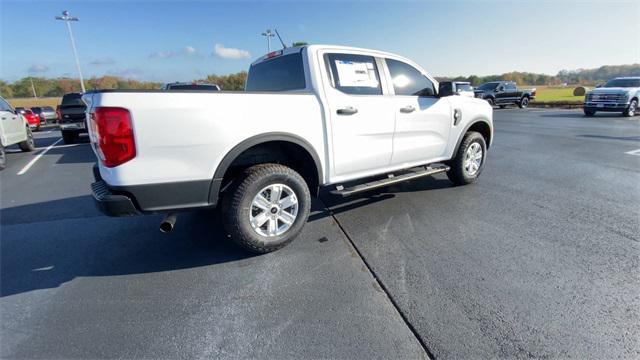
{"points": [[631, 110], [588, 112], [524, 102], [469, 160], [267, 208], [29, 144], [491, 102]]}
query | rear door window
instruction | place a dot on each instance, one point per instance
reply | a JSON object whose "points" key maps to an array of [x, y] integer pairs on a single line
{"points": [[354, 74]]}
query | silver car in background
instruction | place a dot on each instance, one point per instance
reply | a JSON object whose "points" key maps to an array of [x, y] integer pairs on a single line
{"points": [[618, 95]]}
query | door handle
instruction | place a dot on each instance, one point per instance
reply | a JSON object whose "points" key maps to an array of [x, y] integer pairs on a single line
{"points": [[349, 110], [407, 109]]}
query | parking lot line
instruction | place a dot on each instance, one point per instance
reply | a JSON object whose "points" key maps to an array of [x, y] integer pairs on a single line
{"points": [[33, 161]]}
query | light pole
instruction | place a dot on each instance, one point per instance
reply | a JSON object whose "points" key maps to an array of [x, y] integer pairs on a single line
{"points": [[67, 19], [269, 35]]}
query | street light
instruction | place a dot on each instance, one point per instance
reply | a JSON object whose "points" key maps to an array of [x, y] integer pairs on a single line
{"points": [[269, 35], [67, 19]]}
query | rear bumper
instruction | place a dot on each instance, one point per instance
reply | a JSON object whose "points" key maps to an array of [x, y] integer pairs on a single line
{"points": [[109, 203], [140, 199]]}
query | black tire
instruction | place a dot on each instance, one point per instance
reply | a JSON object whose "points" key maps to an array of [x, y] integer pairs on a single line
{"points": [[491, 102], [632, 109], [503, 106], [588, 112], [3, 158], [237, 207], [69, 137], [29, 144], [524, 102], [458, 174]]}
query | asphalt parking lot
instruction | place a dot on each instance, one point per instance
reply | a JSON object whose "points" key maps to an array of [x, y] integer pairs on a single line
{"points": [[540, 258]]}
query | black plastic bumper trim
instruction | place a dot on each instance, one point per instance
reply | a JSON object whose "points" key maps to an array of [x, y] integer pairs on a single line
{"points": [[112, 204]]}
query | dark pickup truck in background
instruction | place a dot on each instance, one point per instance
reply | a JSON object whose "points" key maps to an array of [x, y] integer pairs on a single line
{"points": [[72, 119], [503, 93]]}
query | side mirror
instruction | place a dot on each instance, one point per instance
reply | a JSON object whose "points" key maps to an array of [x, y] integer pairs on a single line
{"points": [[445, 89]]}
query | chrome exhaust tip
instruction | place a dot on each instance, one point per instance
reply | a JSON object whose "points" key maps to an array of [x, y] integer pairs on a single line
{"points": [[168, 223]]}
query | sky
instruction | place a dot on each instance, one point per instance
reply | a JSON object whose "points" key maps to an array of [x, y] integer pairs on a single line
{"points": [[181, 41]]}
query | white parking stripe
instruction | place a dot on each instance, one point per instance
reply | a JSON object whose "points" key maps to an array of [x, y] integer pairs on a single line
{"points": [[634, 152], [33, 161]]}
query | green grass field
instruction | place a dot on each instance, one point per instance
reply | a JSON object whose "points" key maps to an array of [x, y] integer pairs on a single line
{"points": [[30, 102], [549, 94]]}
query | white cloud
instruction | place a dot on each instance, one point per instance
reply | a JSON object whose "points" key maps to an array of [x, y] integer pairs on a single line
{"points": [[38, 68], [161, 54], [133, 74], [229, 53], [189, 50], [103, 61]]}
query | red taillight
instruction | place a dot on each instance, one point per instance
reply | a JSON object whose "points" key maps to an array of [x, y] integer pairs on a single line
{"points": [[114, 135]]}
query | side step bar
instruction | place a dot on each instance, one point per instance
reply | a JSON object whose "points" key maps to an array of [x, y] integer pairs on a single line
{"points": [[425, 171]]}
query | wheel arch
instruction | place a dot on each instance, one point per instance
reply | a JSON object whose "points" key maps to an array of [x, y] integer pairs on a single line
{"points": [[480, 125], [313, 177]]}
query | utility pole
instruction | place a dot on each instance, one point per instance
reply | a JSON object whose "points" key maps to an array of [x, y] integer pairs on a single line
{"points": [[269, 35], [33, 88], [67, 19]]}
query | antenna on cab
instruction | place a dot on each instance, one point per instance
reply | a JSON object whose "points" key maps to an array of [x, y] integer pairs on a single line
{"points": [[282, 42]]}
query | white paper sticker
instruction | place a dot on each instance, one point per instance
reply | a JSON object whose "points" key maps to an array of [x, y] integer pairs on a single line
{"points": [[361, 74]]}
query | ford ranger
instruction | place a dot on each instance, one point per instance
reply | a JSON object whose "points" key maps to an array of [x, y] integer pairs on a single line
{"points": [[311, 117], [619, 95]]}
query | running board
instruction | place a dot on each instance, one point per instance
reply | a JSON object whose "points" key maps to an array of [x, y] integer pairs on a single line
{"points": [[430, 170]]}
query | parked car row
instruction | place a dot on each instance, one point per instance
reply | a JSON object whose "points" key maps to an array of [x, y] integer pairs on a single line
{"points": [[38, 115]]}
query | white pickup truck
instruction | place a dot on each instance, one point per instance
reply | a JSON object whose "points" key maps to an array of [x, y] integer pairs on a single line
{"points": [[312, 116]]}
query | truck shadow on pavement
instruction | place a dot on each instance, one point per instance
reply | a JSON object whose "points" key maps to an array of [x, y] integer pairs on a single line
{"points": [[46, 254], [69, 238]]}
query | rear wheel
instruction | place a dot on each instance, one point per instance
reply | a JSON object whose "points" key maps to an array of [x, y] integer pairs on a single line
{"points": [[468, 163], [631, 110], [588, 112], [503, 106], [29, 144], [69, 137], [267, 208], [3, 158], [524, 102]]}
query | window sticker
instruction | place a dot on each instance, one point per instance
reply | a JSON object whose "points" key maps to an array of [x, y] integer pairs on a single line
{"points": [[356, 74]]}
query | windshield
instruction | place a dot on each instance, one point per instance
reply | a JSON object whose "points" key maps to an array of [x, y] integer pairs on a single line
{"points": [[623, 83], [488, 86], [278, 74], [72, 100]]}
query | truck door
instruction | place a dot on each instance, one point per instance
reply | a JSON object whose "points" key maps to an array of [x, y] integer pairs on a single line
{"points": [[512, 92], [501, 94], [423, 120], [361, 116]]}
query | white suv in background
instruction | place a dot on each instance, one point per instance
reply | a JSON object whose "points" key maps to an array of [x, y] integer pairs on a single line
{"points": [[14, 129]]}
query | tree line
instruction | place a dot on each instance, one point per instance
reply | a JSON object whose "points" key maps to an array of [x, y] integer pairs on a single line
{"points": [[47, 87], [571, 77]]}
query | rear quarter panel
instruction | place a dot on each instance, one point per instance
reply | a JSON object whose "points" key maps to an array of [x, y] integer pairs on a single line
{"points": [[184, 136]]}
